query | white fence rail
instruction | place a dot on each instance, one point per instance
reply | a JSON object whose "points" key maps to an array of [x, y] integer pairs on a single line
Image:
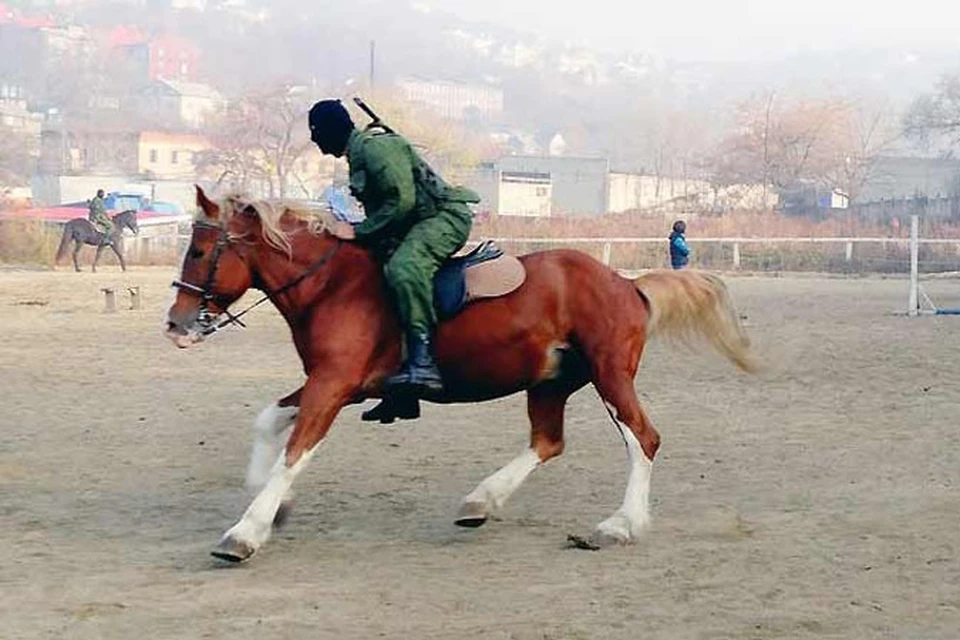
{"points": [[840, 254], [736, 245]]}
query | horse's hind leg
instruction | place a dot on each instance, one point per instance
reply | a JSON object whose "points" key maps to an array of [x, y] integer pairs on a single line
{"points": [[270, 432], [642, 441], [76, 250], [545, 407]]}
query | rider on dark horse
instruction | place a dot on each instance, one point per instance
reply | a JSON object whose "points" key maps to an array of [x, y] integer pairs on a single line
{"points": [[414, 222], [99, 219]]}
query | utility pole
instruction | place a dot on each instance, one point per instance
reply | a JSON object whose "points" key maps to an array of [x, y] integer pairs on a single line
{"points": [[373, 58]]}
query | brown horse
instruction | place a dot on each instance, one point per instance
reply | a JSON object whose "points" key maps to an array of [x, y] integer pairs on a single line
{"points": [[573, 321]]}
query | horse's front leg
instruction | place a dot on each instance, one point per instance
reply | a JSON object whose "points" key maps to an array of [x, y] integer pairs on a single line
{"points": [[76, 250], [271, 430], [321, 400], [96, 258], [116, 250]]}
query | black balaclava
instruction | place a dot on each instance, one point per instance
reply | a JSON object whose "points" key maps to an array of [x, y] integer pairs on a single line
{"points": [[330, 127]]}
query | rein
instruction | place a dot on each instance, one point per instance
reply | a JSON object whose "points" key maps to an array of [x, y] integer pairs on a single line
{"points": [[206, 319]]}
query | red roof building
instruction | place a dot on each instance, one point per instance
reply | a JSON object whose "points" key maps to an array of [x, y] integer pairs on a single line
{"points": [[164, 57]]}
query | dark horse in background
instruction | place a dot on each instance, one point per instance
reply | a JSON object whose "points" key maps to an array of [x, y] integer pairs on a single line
{"points": [[81, 232]]}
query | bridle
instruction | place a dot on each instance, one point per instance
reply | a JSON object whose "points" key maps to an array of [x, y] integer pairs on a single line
{"points": [[208, 320]]}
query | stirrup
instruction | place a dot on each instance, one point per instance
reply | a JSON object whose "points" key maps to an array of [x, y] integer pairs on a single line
{"points": [[414, 381]]}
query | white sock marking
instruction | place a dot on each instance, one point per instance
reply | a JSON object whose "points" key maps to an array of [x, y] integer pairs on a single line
{"points": [[495, 489], [255, 525], [270, 433], [634, 514], [636, 499]]}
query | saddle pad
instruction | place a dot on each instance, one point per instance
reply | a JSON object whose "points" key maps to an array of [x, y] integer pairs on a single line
{"points": [[494, 278]]}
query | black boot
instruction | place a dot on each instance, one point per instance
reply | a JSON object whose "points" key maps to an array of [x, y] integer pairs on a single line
{"points": [[390, 409], [419, 375]]}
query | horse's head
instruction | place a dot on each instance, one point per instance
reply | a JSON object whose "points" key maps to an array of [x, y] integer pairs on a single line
{"points": [[128, 219], [216, 272]]}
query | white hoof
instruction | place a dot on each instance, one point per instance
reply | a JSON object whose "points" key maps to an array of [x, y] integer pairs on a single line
{"points": [[618, 529], [249, 534]]}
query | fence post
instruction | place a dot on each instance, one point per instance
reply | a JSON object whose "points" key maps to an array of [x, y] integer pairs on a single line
{"points": [[736, 255], [849, 250], [606, 253], [914, 302], [143, 256]]}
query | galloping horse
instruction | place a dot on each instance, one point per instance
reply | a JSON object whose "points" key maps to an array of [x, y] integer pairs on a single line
{"points": [[81, 232], [572, 322]]}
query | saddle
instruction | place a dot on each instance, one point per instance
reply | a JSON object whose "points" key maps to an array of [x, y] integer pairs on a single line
{"points": [[484, 272]]}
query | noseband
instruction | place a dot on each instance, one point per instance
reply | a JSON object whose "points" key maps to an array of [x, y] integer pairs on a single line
{"points": [[208, 320]]}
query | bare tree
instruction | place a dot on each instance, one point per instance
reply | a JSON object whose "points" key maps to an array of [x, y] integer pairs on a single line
{"points": [[867, 131], [18, 158], [934, 118], [259, 141], [446, 145], [782, 143]]}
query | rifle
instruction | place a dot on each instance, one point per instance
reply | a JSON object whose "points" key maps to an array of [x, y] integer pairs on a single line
{"points": [[377, 122]]}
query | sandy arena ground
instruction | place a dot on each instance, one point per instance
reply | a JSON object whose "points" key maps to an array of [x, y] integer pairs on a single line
{"points": [[819, 501]]}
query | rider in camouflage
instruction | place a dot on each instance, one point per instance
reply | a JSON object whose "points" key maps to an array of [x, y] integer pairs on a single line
{"points": [[99, 219], [414, 222]]}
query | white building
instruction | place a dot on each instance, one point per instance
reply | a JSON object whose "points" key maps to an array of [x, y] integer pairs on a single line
{"points": [[524, 194], [635, 192], [189, 103]]}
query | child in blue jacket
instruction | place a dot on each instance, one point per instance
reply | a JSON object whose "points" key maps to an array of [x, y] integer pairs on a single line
{"points": [[679, 250]]}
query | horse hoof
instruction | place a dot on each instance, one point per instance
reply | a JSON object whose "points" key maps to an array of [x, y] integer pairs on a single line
{"points": [[472, 515], [283, 514], [602, 539], [612, 532], [233, 550]]}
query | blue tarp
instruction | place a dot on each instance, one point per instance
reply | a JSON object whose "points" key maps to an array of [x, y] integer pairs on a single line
{"points": [[342, 204]]}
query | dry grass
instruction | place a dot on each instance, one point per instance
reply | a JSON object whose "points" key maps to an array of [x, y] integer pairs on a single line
{"points": [[803, 257], [31, 242], [740, 224], [28, 242]]}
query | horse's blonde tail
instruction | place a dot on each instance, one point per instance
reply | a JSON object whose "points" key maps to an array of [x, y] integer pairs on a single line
{"points": [[688, 305], [64, 243]]}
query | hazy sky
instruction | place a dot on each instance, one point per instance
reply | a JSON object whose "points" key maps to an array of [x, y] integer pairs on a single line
{"points": [[692, 29]]}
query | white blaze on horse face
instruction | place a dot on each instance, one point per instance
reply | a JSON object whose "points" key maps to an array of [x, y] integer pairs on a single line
{"points": [[633, 516], [181, 340], [495, 490], [257, 521], [269, 437]]}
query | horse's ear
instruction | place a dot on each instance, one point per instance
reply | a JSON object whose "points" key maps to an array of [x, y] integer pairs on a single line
{"points": [[209, 207]]}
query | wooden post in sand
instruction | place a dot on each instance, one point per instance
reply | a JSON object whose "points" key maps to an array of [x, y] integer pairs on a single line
{"points": [[110, 300], [134, 298]]}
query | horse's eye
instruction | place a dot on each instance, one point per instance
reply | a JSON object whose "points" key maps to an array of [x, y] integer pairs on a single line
{"points": [[196, 253]]}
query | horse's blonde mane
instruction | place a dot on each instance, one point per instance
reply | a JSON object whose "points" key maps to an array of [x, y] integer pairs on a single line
{"points": [[270, 212]]}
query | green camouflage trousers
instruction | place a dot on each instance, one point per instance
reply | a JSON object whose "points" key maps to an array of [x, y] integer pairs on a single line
{"points": [[410, 269]]}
